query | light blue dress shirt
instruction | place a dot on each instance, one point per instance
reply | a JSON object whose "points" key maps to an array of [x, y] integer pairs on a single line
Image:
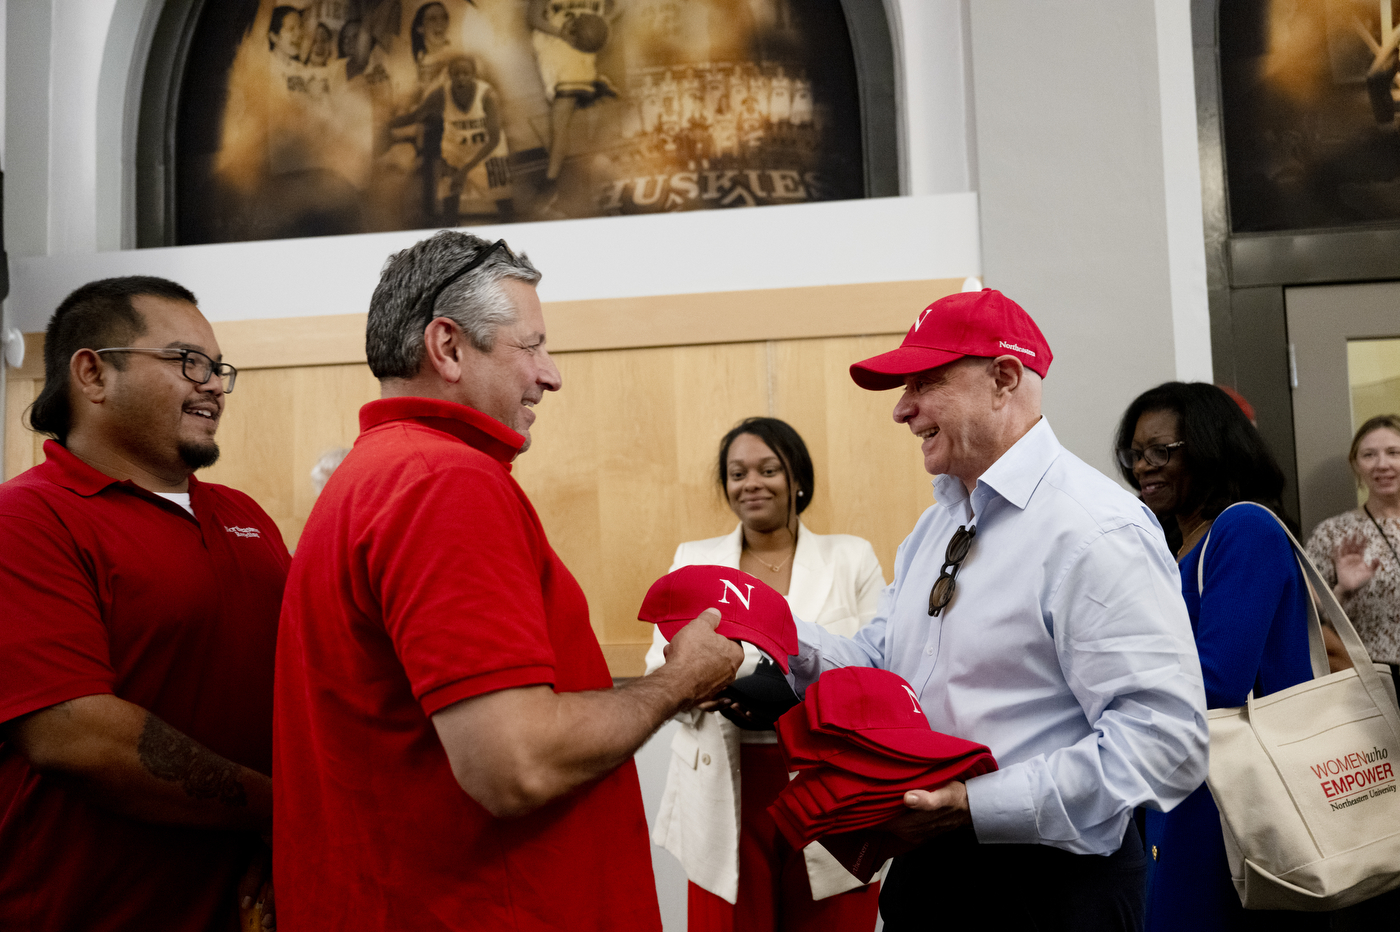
{"points": [[1066, 649]]}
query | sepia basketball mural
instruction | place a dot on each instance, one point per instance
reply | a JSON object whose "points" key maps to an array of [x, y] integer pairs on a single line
{"points": [[349, 116], [1310, 92]]}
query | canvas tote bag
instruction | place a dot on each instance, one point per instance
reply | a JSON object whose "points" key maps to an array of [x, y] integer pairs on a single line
{"points": [[1307, 779]]}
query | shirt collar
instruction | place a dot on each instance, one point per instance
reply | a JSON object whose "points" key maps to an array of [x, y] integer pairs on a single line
{"points": [[468, 425], [1019, 470], [64, 469], [1013, 476]]}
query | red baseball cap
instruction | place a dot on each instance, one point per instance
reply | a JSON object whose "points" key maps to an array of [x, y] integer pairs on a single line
{"points": [[804, 749], [877, 710], [749, 609], [970, 323], [863, 852]]}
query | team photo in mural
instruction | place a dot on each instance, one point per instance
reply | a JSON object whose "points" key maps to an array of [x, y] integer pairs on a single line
{"points": [[349, 116]]}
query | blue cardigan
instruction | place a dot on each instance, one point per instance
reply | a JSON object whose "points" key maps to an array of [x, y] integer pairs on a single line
{"points": [[1250, 624]]}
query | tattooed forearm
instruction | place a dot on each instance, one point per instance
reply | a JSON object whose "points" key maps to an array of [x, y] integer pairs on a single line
{"points": [[201, 773]]}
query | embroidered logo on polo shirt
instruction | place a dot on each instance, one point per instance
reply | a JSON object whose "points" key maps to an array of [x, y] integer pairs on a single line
{"points": [[244, 531]]}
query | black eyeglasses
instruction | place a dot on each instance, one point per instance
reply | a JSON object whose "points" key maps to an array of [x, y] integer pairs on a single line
{"points": [[474, 263], [194, 365], [942, 592], [1159, 454]]}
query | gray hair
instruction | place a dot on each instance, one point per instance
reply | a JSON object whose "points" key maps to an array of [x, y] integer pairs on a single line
{"points": [[399, 312]]}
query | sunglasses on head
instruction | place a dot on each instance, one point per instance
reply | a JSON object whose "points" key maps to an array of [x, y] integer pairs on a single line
{"points": [[471, 265]]}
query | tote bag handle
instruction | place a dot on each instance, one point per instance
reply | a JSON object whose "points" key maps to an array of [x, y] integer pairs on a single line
{"points": [[1317, 650]]}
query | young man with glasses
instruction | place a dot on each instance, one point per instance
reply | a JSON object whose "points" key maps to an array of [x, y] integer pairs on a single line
{"points": [[450, 751], [1036, 610], [138, 632]]}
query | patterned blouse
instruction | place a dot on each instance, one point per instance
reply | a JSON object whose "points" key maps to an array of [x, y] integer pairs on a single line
{"points": [[1375, 608]]}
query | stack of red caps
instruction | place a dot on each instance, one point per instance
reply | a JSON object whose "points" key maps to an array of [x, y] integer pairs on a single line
{"points": [[749, 609], [859, 742]]}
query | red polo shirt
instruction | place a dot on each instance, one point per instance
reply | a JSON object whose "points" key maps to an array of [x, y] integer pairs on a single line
{"points": [[423, 577], [107, 588]]}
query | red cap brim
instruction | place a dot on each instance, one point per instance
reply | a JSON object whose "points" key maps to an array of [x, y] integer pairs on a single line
{"points": [[886, 371]]}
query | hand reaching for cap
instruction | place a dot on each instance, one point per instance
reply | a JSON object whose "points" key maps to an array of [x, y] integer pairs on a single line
{"points": [[703, 661]]}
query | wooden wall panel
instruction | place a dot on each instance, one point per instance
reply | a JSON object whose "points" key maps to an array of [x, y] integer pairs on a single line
{"points": [[277, 423], [870, 476], [622, 468], [620, 323], [623, 463]]}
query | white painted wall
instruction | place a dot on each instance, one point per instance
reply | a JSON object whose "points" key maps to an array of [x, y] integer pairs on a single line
{"points": [[936, 96], [80, 29], [885, 239], [1090, 198], [652, 762]]}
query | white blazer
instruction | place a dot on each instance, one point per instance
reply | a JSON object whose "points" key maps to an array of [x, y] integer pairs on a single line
{"points": [[836, 583]]}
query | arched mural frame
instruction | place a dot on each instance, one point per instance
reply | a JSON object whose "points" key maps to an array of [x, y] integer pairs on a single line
{"points": [[869, 23]]}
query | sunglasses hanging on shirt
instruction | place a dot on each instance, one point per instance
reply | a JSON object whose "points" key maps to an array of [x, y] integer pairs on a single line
{"points": [[943, 587]]}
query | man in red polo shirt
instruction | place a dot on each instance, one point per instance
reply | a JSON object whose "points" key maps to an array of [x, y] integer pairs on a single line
{"points": [[449, 751], [138, 632]]}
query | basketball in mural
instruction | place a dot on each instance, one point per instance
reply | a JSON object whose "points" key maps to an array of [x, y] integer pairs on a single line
{"points": [[349, 116]]}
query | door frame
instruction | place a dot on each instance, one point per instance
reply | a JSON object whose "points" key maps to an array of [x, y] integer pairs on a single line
{"points": [[1321, 319]]}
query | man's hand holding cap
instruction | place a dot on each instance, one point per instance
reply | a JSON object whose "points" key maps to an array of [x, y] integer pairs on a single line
{"points": [[701, 658], [750, 610]]}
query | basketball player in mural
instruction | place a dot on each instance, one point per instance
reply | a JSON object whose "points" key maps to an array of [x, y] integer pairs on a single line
{"points": [[780, 99], [801, 101], [469, 170], [751, 124], [568, 35], [333, 14], [322, 46], [297, 95], [284, 37], [432, 49], [692, 100], [366, 38]]}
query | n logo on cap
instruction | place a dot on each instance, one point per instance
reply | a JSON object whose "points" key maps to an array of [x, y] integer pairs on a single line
{"points": [[912, 698], [922, 314], [730, 587]]}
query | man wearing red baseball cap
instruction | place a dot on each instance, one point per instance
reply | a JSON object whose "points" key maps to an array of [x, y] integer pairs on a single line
{"points": [[1036, 610]]}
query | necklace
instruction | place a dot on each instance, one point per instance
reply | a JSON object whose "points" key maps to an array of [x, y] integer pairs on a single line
{"points": [[1189, 538], [771, 567], [1384, 535]]}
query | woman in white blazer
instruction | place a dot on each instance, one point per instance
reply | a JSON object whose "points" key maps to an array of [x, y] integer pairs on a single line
{"points": [[743, 874]]}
